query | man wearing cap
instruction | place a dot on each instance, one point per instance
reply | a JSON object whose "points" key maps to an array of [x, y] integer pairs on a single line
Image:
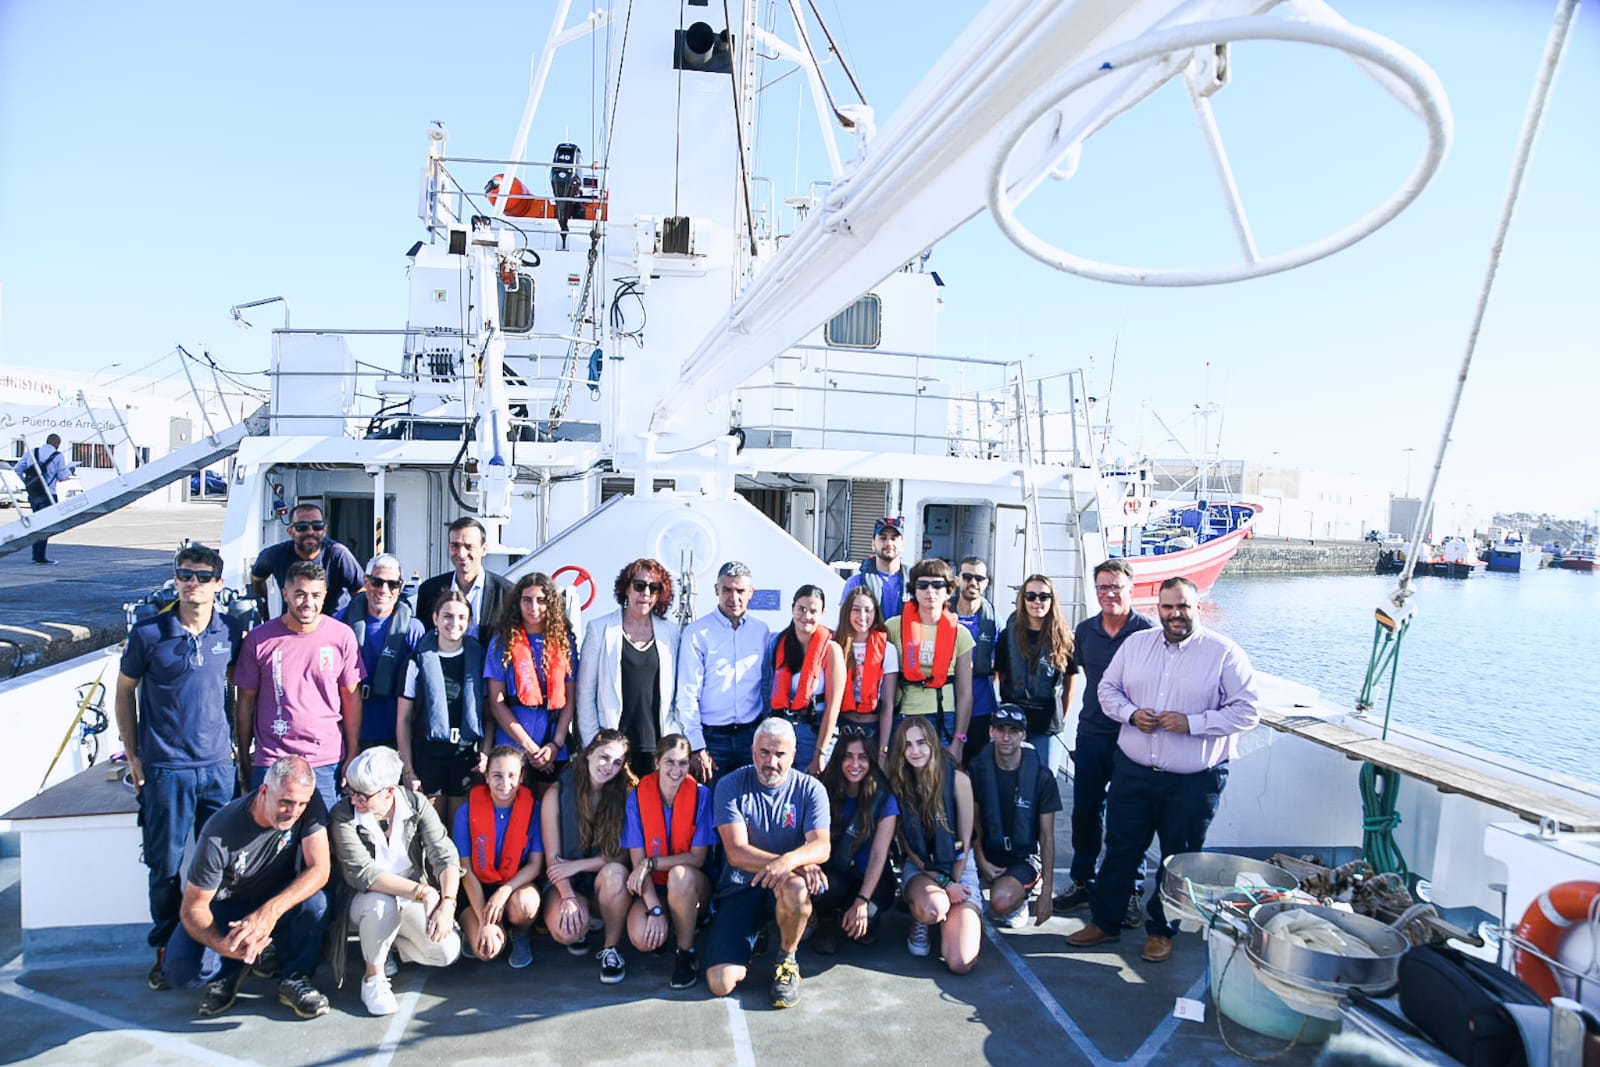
{"points": [[975, 612], [308, 541], [1183, 694], [719, 678], [1017, 800], [883, 572]]}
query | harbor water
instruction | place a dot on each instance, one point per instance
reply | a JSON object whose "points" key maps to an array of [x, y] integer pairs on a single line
{"points": [[1506, 663]]}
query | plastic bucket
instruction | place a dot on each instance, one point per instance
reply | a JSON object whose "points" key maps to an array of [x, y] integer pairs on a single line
{"points": [[1238, 994]]}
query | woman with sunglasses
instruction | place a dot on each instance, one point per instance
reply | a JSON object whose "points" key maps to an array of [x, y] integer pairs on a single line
{"points": [[872, 667], [865, 815], [528, 679], [1033, 664], [802, 679], [401, 872], [440, 712], [940, 880], [935, 657], [626, 677], [582, 819]]}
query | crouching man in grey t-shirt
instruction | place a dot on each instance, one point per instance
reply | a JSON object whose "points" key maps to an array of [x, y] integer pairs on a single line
{"points": [[256, 884], [774, 824]]}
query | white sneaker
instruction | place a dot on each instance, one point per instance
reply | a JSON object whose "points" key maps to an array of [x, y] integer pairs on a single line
{"points": [[1018, 918], [917, 939], [377, 996]]}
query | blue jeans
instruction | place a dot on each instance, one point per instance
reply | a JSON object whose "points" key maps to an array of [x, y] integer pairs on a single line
{"points": [[174, 803], [327, 782], [298, 938], [729, 748], [1146, 803]]}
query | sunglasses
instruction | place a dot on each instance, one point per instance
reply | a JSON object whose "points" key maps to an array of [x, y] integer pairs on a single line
{"points": [[184, 574], [931, 583], [392, 584], [642, 586], [302, 527], [967, 576], [851, 732], [1034, 598]]}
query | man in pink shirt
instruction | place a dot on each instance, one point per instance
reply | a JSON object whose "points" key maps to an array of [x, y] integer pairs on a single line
{"points": [[1183, 695], [299, 679]]}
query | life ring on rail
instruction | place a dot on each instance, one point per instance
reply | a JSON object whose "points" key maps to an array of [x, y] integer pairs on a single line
{"points": [[519, 203], [583, 578], [1546, 924], [1130, 506]]}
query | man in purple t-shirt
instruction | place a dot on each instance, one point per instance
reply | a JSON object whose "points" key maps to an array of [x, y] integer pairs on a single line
{"points": [[298, 678]]}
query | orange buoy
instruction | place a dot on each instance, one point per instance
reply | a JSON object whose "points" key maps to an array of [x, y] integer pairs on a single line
{"points": [[1546, 924], [519, 204]]}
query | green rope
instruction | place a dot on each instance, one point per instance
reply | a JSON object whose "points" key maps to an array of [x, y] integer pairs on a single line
{"points": [[1380, 787]]}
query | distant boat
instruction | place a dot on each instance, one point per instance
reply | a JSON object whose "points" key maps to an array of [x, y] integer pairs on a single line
{"points": [[1511, 553], [1579, 559], [1193, 541], [1458, 558]]}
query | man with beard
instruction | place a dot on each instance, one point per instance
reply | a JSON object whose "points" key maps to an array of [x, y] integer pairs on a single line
{"points": [[1183, 694], [883, 572], [774, 825], [308, 541]]}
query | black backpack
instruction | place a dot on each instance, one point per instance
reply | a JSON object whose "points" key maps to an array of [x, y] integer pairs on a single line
{"points": [[1460, 1001], [33, 477]]}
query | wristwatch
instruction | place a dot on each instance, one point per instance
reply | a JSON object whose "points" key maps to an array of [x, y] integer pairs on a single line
{"points": [[655, 912]]}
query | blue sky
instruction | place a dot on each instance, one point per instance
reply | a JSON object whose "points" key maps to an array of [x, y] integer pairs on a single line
{"points": [[162, 162]]}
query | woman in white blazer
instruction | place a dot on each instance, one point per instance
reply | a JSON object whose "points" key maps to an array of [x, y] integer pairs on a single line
{"points": [[626, 675]]}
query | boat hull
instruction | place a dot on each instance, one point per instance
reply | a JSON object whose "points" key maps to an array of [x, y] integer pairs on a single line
{"points": [[1202, 564]]}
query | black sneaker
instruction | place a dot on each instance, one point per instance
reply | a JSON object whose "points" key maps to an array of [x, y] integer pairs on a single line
{"points": [[685, 969], [580, 947], [825, 941], [157, 978], [1133, 918], [1075, 896], [221, 993], [267, 964], [298, 993], [786, 983], [612, 967]]}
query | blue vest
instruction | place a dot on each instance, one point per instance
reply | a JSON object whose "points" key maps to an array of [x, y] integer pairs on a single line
{"points": [[386, 676], [431, 719]]}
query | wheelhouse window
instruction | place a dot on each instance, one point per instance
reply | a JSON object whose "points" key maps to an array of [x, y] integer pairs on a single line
{"points": [[516, 304], [858, 326]]}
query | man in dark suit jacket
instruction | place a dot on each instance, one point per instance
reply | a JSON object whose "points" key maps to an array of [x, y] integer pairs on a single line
{"points": [[484, 591]]}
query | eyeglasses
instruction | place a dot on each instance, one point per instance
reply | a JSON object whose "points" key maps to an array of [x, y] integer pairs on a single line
{"points": [[930, 583], [968, 576], [851, 731], [391, 584], [1108, 590], [1034, 598], [365, 798], [642, 586], [184, 574], [302, 527]]}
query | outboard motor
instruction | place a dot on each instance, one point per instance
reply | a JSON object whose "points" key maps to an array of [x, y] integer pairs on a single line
{"points": [[566, 185]]}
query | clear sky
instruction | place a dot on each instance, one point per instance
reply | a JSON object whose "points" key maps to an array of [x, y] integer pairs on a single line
{"points": [[161, 162]]}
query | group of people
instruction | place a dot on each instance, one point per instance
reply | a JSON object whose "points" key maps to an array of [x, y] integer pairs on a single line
{"points": [[479, 777]]}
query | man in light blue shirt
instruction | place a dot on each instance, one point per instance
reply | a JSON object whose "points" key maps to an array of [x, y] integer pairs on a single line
{"points": [[719, 678], [41, 470]]}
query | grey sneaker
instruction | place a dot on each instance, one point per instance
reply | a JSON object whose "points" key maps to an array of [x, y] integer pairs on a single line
{"points": [[298, 993], [1133, 918], [521, 951], [786, 984], [221, 992], [917, 940], [612, 968], [1075, 896]]}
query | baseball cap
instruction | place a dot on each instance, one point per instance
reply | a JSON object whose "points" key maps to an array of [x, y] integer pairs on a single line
{"points": [[897, 525], [1008, 715]]}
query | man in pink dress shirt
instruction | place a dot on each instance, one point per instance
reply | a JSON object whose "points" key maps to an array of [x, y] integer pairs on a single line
{"points": [[1183, 694]]}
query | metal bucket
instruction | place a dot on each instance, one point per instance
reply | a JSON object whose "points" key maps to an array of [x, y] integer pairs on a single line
{"points": [[1205, 886], [1313, 981]]}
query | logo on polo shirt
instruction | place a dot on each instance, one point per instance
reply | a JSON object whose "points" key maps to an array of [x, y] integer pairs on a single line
{"points": [[789, 821], [220, 648], [327, 658]]}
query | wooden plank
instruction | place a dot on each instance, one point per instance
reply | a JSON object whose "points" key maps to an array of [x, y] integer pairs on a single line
{"points": [[89, 792], [1527, 802]]}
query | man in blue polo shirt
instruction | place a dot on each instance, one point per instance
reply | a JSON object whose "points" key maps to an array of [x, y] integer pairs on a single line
{"points": [[308, 541], [176, 729]]}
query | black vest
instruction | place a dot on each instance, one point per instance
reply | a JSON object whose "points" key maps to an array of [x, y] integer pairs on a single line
{"points": [[938, 851], [1022, 837]]}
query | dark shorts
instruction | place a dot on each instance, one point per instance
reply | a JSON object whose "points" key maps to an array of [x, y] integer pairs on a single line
{"points": [[740, 917], [1025, 871], [445, 768]]}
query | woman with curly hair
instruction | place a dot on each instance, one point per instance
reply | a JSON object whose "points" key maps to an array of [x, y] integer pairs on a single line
{"points": [[865, 815], [940, 881], [528, 676], [626, 679], [872, 669], [582, 819], [1033, 664]]}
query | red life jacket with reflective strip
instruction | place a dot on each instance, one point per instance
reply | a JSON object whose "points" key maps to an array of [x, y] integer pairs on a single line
{"points": [[486, 867], [871, 676], [652, 814]]}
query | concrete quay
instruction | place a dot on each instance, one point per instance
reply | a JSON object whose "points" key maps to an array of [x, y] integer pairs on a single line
{"points": [[1296, 555], [52, 614]]}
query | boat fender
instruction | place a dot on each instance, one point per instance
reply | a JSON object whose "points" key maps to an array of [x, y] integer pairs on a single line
{"points": [[582, 578], [1545, 925]]}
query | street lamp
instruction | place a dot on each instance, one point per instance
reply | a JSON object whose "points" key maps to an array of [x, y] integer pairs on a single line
{"points": [[1408, 452], [242, 321]]}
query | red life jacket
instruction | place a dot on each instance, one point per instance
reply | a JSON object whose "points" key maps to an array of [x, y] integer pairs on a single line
{"points": [[944, 648], [657, 841], [871, 676], [480, 824], [804, 693], [528, 693]]}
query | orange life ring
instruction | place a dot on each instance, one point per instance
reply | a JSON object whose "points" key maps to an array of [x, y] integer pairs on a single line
{"points": [[519, 203], [583, 578], [1545, 924], [1130, 506]]}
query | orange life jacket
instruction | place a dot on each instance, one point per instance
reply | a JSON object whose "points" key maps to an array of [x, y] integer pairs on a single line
{"points": [[944, 648], [657, 841], [803, 697], [528, 693], [871, 676], [486, 867]]}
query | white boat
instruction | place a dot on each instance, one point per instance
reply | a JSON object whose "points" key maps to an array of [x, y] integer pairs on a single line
{"points": [[661, 359]]}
